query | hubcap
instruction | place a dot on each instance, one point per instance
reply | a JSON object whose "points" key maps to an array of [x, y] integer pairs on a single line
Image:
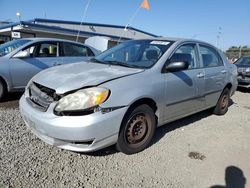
{"points": [[137, 129]]}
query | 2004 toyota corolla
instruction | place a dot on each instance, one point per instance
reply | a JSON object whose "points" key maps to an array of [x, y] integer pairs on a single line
{"points": [[122, 95]]}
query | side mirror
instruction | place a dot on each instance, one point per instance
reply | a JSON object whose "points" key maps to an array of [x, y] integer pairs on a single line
{"points": [[176, 66], [22, 54]]}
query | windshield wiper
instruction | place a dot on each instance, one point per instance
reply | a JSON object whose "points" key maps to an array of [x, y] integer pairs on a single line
{"points": [[96, 60], [111, 62]]}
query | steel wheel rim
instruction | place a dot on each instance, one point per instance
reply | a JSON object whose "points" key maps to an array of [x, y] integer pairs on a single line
{"points": [[137, 130], [224, 101]]}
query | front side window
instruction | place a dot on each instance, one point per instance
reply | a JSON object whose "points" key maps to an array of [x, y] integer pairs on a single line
{"points": [[70, 49], [136, 53], [10, 46], [210, 57], [31, 50], [186, 53]]}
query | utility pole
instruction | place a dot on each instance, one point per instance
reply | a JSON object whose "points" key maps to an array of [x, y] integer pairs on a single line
{"points": [[240, 51], [218, 37], [18, 16]]}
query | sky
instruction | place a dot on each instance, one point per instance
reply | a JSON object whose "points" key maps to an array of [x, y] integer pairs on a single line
{"points": [[223, 23]]}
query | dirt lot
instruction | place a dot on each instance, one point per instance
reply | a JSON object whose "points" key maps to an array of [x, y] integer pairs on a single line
{"points": [[203, 150]]}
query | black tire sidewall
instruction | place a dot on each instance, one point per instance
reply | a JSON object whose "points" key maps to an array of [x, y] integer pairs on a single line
{"points": [[221, 111], [122, 144], [2, 90]]}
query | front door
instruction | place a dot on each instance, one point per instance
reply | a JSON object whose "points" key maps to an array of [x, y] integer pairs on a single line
{"points": [[184, 89], [42, 56]]}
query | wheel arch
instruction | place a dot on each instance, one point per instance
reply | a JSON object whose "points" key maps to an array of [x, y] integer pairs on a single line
{"points": [[229, 86], [146, 100], [5, 83]]}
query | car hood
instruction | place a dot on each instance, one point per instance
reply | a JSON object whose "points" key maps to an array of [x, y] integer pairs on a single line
{"points": [[242, 66], [78, 75]]}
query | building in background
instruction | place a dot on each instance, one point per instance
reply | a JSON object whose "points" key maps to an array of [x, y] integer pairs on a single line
{"points": [[2, 37], [69, 30]]}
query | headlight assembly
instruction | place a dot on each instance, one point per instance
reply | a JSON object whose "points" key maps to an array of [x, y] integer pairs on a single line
{"points": [[82, 99]]}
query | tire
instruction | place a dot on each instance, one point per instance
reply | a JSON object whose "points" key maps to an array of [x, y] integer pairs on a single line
{"points": [[222, 105], [2, 90], [137, 130]]}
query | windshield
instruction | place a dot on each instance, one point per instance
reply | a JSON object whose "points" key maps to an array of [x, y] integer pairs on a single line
{"points": [[10, 46], [135, 53], [243, 61]]}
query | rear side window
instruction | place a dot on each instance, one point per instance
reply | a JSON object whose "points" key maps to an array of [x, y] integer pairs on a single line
{"points": [[70, 49], [210, 57], [47, 50]]}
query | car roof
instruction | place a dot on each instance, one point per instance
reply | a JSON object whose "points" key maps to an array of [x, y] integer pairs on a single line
{"points": [[49, 39], [175, 39], [41, 39]]}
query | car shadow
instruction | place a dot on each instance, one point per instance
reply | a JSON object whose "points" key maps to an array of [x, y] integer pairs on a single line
{"points": [[243, 90], [11, 100], [231, 102], [234, 177], [169, 127], [103, 152]]}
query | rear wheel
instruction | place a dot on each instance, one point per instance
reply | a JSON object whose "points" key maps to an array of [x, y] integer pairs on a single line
{"points": [[2, 90], [222, 105], [137, 130]]}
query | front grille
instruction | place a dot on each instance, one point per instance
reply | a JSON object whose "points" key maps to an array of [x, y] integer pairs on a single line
{"points": [[41, 97], [243, 77], [243, 83]]}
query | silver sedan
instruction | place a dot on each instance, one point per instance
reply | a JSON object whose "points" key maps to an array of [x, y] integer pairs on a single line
{"points": [[21, 59], [123, 94]]}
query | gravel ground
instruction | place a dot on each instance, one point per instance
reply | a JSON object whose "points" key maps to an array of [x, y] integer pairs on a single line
{"points": [[202, 150]]}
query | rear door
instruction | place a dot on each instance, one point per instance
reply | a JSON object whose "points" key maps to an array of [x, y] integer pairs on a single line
{"points": [[184, 89], [72, 53], [42, 56], [215, 74]]}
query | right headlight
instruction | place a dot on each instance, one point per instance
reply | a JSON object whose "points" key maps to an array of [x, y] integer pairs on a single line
{"points": [[82, 99]]}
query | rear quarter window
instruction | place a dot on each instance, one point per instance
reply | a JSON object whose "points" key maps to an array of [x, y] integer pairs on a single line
{"points": [[70, 49], [210, 57]]}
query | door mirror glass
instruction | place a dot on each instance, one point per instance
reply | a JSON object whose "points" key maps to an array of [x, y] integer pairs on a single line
{"points": [[22, 54], [176, 66]]}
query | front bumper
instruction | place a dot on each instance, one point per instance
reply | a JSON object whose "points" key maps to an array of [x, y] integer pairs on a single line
{"points": [[244, 83], [76, 133]]}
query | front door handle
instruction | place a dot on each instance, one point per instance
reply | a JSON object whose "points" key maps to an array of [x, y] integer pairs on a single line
{"points": [[200, 75]]}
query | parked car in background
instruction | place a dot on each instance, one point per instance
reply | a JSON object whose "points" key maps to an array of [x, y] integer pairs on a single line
{"points": [[21, 59], [123, 94], [243, 65]]}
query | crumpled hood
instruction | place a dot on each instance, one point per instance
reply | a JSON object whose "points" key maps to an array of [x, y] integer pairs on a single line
{"points": [[70, 77]]}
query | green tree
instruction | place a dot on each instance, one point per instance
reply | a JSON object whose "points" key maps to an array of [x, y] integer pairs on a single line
{"points": [[236, 52]]}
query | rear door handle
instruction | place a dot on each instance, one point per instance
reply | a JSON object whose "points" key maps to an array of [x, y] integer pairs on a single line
{"points": [[200, 75], [223, 71]]}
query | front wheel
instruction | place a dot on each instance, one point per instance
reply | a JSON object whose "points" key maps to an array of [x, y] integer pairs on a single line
{"points": [[222, 105], [137, 130]]}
